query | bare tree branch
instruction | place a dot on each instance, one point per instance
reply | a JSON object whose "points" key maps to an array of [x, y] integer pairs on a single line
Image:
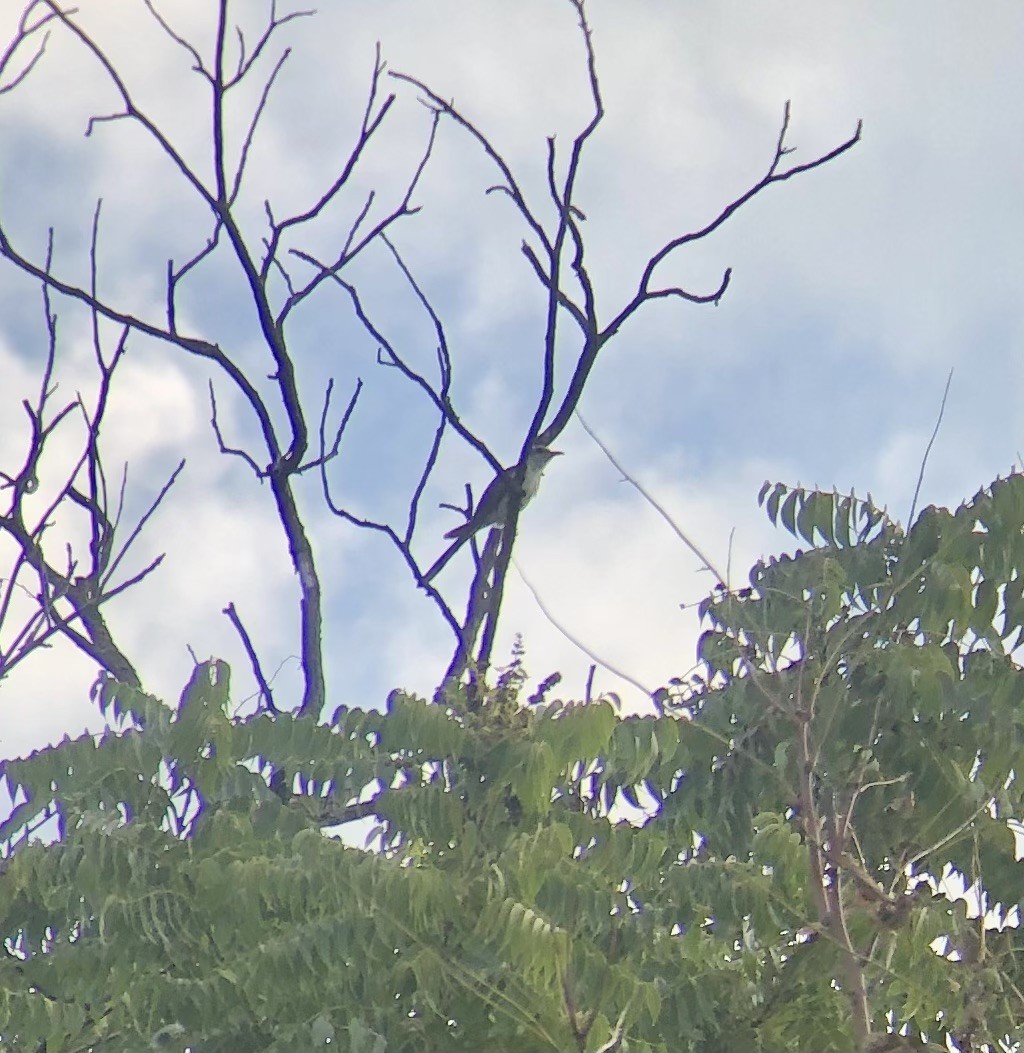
{"points": [[84, 589], [576, 642], [285, 447], [928, 450], [545, 252], [26, 30], [401, 543], [257, 670], [648, 497]]}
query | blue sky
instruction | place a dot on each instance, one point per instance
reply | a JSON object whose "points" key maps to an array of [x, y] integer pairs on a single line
{"points": [[856, 288]]}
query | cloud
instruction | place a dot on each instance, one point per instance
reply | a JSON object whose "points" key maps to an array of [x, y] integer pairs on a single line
{"points": [[854, 288]]}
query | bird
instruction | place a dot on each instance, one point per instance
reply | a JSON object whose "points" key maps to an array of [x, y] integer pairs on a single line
{"points": [[495, 503], [493, 507]]}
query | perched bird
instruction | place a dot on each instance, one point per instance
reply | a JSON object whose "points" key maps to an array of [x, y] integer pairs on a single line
{"points": [[495, 503], [493, 507]]}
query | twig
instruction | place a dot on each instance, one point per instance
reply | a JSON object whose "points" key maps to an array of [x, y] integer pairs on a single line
{"points": [[257, 669], [928, 450], [708, 565], [579, 643]]}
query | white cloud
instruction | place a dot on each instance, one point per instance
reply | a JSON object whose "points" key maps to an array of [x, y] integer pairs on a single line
{"points": [[855, 287]]}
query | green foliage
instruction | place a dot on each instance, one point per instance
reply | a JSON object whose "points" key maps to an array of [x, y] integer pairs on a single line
{"points": [[753, 870]]}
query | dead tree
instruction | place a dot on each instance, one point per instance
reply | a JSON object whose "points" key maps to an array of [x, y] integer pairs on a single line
{"points": [[280, 275], [285, 451], [556, 253]]}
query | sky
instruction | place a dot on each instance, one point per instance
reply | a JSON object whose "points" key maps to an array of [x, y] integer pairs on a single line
{"points": [[855, 289]]}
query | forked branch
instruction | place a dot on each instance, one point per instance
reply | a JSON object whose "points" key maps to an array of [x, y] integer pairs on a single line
{"points": [[553, 247]]}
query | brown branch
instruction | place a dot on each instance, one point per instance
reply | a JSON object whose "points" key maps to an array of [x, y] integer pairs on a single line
{"points": [[370, 123], [193, 345], [928, 449], [25, 31], [510, 187], [401, 544], [131, 110], [223, 447], [563, 199], [477, 607], [387, 355], [112, 560], [597, 660], [547, 265], [351, 248], [325, 455], [250, 134], [486, 603], [286, 450], [585, 316], [851, 968], [268, 696], [772, 175], [84, 592]]}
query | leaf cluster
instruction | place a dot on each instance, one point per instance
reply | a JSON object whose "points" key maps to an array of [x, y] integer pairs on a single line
{"points": [[757, 868]]}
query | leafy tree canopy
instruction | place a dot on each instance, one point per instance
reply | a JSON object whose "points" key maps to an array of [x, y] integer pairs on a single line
{"points": [[756, 868]]}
